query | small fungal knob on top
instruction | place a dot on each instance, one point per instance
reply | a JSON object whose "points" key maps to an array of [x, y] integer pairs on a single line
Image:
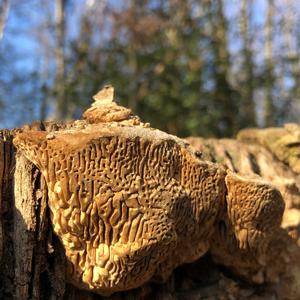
{"points": [[105, 96], [105, 109]]}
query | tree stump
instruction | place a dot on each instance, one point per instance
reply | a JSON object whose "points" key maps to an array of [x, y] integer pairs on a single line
{"points": [[32, 257]]}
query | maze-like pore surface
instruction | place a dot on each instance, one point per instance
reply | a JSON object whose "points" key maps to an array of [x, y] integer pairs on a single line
{"points": [[127, 203]]}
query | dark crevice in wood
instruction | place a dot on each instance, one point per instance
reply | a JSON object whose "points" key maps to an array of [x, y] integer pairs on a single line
{"points": [[7, 287], [254, 164]]}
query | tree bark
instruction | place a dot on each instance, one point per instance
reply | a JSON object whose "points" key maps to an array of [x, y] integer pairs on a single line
{"points": [[28, 262]]}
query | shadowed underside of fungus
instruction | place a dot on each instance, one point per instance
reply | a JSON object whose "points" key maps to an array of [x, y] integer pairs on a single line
{"points": [[130, 203]]}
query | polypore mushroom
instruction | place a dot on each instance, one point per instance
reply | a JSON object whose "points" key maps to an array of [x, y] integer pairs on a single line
{"points": [[129, 202]]}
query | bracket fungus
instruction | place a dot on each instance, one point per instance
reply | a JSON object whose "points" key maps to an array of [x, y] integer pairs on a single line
{"points": [[130, 203]]}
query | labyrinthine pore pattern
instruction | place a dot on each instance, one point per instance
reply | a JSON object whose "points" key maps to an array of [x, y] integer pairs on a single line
{"points": [[130, 203], [122, 204], [252, 205]]}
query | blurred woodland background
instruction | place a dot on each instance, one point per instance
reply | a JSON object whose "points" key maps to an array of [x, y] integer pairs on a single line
{"points": [[190, 67]]}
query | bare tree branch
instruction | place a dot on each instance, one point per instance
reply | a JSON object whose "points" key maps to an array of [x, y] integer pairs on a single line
{"points": [[61, 106], [4, 9]]}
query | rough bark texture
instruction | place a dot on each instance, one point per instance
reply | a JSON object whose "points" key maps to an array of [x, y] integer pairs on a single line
{"points": [[33, 261], [29, 266]]}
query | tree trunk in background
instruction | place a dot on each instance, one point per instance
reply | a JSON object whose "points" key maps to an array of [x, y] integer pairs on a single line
{"points": [[223, 94], [248, 115], [4, 8], [61, 105], [133, 58], [45, 74], [292, 55], [269, 109]]}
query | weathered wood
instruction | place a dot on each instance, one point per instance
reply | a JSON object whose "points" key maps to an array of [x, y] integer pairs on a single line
{"points": [[7, 283], [29, 267], [24, 225], [1, 201]]}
